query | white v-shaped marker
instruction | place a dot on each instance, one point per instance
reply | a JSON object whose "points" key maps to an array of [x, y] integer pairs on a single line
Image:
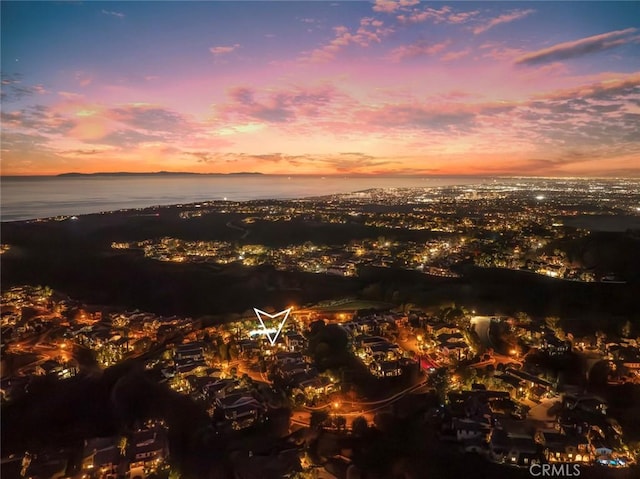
{"points": [[260, 314]]}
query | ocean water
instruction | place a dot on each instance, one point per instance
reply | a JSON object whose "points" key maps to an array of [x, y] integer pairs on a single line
{"points": [[24, 198]]}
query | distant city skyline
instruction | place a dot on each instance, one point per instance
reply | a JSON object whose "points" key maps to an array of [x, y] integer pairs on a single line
{"points": [[384, 87]]}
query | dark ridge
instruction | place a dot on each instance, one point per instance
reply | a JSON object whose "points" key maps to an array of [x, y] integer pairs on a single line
{"points": [[156, 173]]}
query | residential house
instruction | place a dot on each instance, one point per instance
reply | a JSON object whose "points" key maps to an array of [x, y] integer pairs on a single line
{"points": [[560, 447], [513, 449], [102, 458], [317, 385], [466, 429], [249, 346], [294, 341], [290, 369], [457, 350], [193, 351], [238, 411], [148, 449], [385, 369], [50, 368], [587, 403], [284, 357], [553, 346], [533, 385], [383, 351], [436, 329]]}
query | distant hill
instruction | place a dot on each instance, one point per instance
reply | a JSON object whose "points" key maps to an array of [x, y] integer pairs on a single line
{"points": [[157, 173]]}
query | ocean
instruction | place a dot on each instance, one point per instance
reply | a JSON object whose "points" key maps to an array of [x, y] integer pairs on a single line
{"points": [[33, 197]]}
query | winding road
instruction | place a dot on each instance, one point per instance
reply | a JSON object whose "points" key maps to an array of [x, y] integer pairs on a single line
{"points": [[245, 231]]}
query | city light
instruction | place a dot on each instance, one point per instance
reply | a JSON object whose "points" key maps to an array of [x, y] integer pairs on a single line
{"points": [[264, 332], [231, 370]]}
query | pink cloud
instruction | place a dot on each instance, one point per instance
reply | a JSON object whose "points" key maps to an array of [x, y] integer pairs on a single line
{"points": [[83, 78], [278, 106], [419, 16], [610, 88], [418, 49], [405, 14], [369, 31], [462, 17], [499, 52], [71, 96], [504, 18], [223, 50], [455, 55], [545, 71], [429, 116], [390, 6], [578, 48]]}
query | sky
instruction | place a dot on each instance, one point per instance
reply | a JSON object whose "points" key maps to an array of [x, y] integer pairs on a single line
{"points": [[321, 87]]}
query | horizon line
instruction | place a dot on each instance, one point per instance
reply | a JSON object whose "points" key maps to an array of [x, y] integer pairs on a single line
{"points": [[322, 175]]}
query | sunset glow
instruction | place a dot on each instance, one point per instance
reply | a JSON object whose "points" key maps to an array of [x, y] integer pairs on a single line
{"points": [[385, 87]]}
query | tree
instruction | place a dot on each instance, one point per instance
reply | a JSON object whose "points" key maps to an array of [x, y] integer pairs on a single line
{"points": [[407, 307], [453, 314], [317, 419], [360, 426], [340, 422], [372, 291], [440, 381], [552, 322], [625, 331], [468, 376], [523, 318], [328, 345]]}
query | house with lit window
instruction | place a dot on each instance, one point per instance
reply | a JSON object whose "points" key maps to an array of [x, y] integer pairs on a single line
{"points": [[560, 447], [294, 341], [147, 450], [102, 458], [238, 411], [513, 449]]}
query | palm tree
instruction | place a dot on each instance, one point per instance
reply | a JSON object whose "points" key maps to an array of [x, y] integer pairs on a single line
{"points": [[552, 322]]}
